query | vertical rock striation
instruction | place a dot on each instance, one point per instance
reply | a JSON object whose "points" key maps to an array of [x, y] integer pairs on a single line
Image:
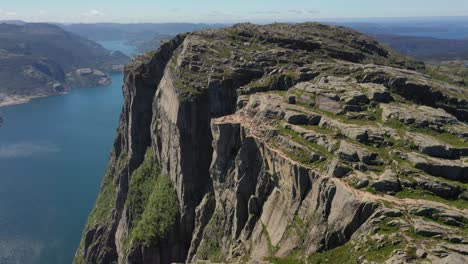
{"points": [[280, 141]]}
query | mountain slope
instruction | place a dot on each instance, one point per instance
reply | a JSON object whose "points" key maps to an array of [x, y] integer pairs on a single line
{"points": [[42, 59], [298, 143]]}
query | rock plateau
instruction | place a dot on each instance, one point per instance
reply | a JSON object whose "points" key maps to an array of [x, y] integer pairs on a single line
{"points": [[283, 143]]}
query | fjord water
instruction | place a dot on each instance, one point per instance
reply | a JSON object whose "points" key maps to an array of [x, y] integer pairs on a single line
{"points": [[53, 155]]}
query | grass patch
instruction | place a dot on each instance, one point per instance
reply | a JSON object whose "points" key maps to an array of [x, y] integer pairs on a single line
{"points": [[210, 249], [339, 255], [453, 73], [348, 254], [425, 195], [380, 254], [295, 257], [371, 190], [299, 139], [444, 137], [278, 92], [102, 214], [141, 186], [320, 130], [105, 203], [302, 156], [271, 81], [225, 52]]}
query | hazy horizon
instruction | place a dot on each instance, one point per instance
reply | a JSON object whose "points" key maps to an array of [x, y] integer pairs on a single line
{"points": [[415, 19], [209, 11]]}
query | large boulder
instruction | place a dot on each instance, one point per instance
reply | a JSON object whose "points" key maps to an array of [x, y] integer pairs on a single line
{"points": [[420, 116], [439, 188], [297, 118], [433, 147], [455, 170], [387, 182], [429, 229], [352, 153]]}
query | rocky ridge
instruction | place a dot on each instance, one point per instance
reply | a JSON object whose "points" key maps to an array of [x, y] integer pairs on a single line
{"points": [[303, 143]]}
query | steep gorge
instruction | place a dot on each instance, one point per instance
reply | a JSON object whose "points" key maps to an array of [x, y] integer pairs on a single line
{"points": [[281, 141]]}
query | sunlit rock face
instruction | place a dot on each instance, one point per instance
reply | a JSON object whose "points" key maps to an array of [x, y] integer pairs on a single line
{"points": [[293, 142]]}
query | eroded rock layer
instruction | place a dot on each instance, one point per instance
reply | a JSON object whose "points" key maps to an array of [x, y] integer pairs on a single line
{"points": [[308, 143]]}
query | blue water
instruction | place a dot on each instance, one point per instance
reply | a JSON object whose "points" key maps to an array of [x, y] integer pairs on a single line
{"points": [[53, 155]]}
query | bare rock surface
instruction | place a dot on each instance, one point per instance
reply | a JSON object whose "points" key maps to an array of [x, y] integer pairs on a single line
{"points": [[296, 142]]}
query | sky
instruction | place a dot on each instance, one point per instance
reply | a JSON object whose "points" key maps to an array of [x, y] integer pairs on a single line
{"points": [[222, 11]]}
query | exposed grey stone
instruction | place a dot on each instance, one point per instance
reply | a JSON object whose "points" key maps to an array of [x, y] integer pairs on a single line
{"points": [[262, 196], [377, 92], [338, 170], [254, 207], [360, 180], [450, 169], [429, 229], [421, 116], [296, 118], [464, 195], [352, 153], [439, 188], [453, 258], [456, 239], [392, 212], [387, 182], [433, 147], [421, 253], [326, 104]]}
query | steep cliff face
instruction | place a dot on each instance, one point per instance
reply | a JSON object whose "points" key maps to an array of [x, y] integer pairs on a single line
{"points": [[297, 142]]}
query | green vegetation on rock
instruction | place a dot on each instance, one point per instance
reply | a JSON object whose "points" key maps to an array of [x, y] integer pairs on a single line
{"points": [[153, 204], [210, 249], [425, 195], [141, 186], [105, 203]]}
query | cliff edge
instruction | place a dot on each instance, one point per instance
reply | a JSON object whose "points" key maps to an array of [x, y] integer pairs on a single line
{"points": [[285, 144]]}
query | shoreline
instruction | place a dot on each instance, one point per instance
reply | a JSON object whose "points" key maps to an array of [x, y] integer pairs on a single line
{"points": [[17, 100]]}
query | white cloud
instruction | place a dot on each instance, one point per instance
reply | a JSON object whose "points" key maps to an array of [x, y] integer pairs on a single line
{"points": [[300, 11], [7, 13], [287, 12], [268, 12], [296, 11], [92, 13]]}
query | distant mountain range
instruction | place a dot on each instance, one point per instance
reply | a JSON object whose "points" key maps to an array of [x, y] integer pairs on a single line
{"points": [[132, 32], [42, 59], [426, 48], [436, 27], [432, 40], [151, 44]]}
